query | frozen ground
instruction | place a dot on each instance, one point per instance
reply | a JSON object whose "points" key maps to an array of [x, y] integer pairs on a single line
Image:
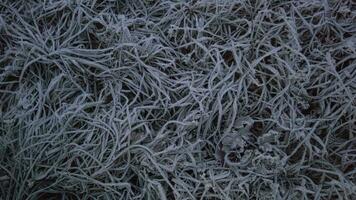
{"points": [[201, 99]]}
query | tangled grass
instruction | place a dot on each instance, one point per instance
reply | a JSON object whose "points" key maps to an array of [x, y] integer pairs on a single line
{"points": [[168, 99]]}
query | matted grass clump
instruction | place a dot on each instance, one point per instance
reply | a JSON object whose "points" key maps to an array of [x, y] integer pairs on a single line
{"points": [[159, 99]]}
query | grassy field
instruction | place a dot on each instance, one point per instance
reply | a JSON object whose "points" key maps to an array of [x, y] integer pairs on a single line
{"points": [[169, 99]]}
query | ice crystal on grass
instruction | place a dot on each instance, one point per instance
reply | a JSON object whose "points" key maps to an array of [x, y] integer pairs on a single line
{"points": [[177, 99]]}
